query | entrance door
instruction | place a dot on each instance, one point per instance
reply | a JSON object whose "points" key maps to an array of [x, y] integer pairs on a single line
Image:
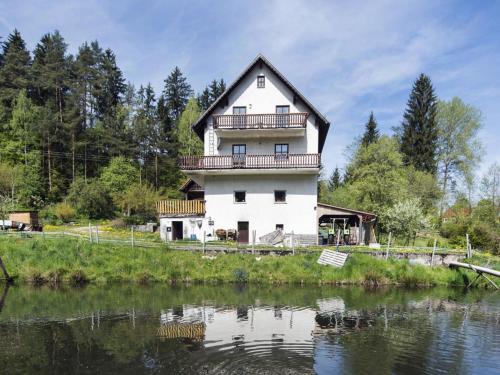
{"points": [[177, 233], [243, 231]]}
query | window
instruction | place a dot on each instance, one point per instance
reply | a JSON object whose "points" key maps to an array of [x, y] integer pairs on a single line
{"points": [[240, 196], [281, 151], [261, 82], [280, 196], [280, 227], [281, 148], [282, 109], [239, 110], [239, 153], [282, 115], [239, 149]]}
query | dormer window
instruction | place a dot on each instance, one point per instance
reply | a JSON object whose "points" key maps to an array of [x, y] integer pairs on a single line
{"points": [[261, 82]]}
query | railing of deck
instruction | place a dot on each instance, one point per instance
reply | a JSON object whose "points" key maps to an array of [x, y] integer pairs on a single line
{"points": [[261, 121], [180, 207], [250, 161]]}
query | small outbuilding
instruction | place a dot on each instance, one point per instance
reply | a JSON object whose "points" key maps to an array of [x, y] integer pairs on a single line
{"points": [[355, 227]]}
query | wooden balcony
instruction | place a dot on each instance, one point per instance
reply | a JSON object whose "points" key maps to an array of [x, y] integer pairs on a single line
{"points": [[261, 121], [180, 208], [280, 161]]}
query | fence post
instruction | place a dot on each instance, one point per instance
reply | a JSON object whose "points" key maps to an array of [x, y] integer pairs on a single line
{"points": [[133, 239], [90, 233], [433, 252], [467, 244], [204, 241], [293, 243], [254, 233], [388, 245], [97, 234]]}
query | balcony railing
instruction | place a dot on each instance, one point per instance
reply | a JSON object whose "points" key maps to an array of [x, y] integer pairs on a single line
{"points": [[180, 207], [250, 161], [261, 121]]}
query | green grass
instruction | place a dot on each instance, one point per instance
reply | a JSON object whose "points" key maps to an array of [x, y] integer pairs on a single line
{"points": [[70, 260]]}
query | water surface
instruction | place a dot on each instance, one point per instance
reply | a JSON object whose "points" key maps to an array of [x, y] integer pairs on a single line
{"points": [[158, 329]]}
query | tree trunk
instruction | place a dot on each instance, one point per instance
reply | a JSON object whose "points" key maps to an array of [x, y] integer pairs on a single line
{"points": [[445, 185], [85, 164], [60, 104], [73, 155], [156, 171], [49, 163]]}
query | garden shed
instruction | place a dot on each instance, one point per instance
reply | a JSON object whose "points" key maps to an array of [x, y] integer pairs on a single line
{"points": [[357, 227]]}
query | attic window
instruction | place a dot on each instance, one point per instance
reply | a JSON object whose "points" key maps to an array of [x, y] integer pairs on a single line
{"points": [[261, 82]]}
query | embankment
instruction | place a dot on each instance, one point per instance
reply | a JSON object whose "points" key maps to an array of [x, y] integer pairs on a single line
{"points": [[55, 261]]}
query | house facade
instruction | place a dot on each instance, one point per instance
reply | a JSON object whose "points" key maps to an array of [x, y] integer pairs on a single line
{"points": [[262, 155]]}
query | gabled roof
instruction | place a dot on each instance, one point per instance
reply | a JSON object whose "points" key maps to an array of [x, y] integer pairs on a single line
{"points": [[190, 184], [322, 122]]}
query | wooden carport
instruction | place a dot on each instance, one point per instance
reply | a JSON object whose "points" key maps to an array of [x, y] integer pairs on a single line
{"points": [[362, 223]]}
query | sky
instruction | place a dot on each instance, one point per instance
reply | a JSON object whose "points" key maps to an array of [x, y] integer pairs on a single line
{"points": [[347, 57]]}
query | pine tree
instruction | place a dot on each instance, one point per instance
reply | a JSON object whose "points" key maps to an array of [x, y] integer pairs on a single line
{"points": [[204, 99], [51, 71], [419, 130], [334, 182], [86, 73], [111, 85], [371, 134], [14, 71], [176, 92], [211, 93]]}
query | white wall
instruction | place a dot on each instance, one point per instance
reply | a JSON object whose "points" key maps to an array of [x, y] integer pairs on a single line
{"points": [[264, 100], [298, 214], [189, 227]]}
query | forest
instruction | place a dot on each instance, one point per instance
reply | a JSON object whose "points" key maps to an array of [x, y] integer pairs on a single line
{"points": [[76, 139], [79, 141]]}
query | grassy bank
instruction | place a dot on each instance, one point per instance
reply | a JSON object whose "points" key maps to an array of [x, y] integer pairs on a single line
{"points": [[65, 260]]}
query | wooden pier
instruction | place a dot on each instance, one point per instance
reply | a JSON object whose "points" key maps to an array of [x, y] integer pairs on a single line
{"points": [[481, 271]]}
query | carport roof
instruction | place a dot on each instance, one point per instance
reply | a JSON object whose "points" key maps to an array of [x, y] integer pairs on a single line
{"points": [[329, 209]]}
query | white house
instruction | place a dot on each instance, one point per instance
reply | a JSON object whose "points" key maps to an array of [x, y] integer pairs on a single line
{"points": [[262, 154]]}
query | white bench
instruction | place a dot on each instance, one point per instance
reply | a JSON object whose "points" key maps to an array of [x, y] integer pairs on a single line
{"points": [[332, 258]]}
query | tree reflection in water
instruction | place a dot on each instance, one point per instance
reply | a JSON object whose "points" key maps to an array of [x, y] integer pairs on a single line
{"points": [[130, 329]]}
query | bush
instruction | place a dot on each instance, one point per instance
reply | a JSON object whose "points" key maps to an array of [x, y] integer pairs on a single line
{"points": [[48, 215], [64, 212], [91, 199], [118, 223], [240, 275], [484, 238]]}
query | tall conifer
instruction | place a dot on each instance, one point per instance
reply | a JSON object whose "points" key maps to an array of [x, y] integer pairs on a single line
{"points": [[14, 71], [371, 132], [419, 130]]}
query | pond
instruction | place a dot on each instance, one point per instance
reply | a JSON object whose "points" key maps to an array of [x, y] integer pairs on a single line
{"points": [[230, 329]]}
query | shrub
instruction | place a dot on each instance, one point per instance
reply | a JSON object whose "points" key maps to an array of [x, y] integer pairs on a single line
{"points": [[484, 238], [48, 215], [118, 223], [240, 275], [64, 212], [91, 199]]}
